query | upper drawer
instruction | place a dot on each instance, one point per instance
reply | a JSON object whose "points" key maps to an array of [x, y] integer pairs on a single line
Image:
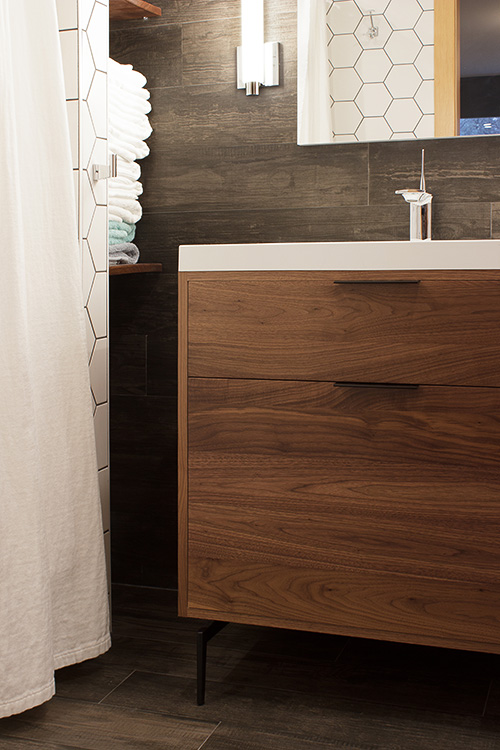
{"points": [[308, 326]]}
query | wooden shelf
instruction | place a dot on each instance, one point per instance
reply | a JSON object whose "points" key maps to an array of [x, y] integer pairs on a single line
{"points": [[126, 9], [127, 268]]}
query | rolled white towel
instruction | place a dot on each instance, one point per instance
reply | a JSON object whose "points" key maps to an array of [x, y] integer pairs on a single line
{"points": [[126, 72], [118, 195], [130, 169], [118, 115], [131, 90], [134, 108], [123, 185], [132, 139], [131, 130], [126, 150], [118, 213]]}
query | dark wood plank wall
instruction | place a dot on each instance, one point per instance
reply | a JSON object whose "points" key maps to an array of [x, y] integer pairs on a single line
{"points": [[226, 168]]}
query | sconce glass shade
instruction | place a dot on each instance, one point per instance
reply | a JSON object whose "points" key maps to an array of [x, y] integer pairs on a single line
{"points": [[252, 42]]}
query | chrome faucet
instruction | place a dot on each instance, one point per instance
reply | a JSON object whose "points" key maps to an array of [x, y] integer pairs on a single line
{"points": [[420, 208]]}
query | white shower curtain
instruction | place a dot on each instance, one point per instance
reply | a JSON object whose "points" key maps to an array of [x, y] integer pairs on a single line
{"points": [[313, 93], [53, 594]]}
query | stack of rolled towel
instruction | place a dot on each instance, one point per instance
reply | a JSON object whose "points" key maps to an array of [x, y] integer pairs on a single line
{"points": [[128, 127]]}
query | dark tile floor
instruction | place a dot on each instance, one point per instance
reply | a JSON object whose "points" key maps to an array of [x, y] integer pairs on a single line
{"points": [[266, 690]]}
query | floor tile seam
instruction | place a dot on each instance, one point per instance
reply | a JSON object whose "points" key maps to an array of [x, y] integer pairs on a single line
{"points": [[116, 686], [210, 735]]}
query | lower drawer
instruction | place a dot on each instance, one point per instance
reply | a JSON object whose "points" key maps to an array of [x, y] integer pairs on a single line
{"points": [[383, 484]]}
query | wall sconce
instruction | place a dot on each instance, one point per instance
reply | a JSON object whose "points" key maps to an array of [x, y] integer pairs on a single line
{"points": [[257, 62]]}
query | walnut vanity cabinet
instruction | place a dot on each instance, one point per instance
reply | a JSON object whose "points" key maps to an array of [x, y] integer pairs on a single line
{"points": [[339, 453]]}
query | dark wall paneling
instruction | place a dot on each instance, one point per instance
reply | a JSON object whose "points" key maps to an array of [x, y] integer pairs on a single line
{"points": [[225, 167]]}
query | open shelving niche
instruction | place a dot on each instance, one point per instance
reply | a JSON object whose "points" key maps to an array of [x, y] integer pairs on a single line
{"points": [[127, 9], [122, 10]]}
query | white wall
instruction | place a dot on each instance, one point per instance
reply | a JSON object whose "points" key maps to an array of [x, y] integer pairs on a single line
{"points": [[84, 37]]}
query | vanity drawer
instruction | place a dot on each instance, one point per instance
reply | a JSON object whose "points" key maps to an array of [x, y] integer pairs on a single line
{"points": [[407, 327], [315, 474]]}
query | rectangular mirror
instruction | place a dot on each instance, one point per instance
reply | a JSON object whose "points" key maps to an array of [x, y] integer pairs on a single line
{"points": [[379, 70]]}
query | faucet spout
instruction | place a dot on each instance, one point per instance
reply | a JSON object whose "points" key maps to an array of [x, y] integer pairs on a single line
{"points": [[420, 202]]}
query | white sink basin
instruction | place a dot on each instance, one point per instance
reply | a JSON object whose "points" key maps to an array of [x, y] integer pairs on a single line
{"points": [[343, 256]]}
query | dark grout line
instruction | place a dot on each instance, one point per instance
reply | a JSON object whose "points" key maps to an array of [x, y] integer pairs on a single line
{"points": [[117, 686]]}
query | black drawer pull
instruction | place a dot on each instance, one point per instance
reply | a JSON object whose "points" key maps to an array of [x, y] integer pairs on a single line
{"points": [[379, 281], [357, 384]]}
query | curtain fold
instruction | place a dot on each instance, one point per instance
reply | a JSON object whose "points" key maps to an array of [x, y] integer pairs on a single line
{"points": [[313, 93], [53, 591]]}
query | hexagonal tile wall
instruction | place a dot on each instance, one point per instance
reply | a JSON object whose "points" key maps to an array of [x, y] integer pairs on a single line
{"points": [[84, 37], [384, 65]]}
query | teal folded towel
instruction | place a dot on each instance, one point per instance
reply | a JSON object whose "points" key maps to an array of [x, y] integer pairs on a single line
{"points": [[120, 231]]}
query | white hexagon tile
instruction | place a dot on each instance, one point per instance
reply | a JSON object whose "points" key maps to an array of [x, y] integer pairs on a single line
{"points": [[99, 371], [98, 35], [403, 46], [344, 17], [97, 238], [345, 84], [403, 115], [87, 134], [99, 156], [90, 334], [346, 118], [344, 50], [403, 81], [373, 99], [88, 271], [382, 57], [97, 305], [374, 129], [87, 207], [97, 102], [403, 14], [373, 66]]}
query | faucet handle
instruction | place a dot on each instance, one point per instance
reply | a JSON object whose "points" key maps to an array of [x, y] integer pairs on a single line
{"points": [[421, 197]]}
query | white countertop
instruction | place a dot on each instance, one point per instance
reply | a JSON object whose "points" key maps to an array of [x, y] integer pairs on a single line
{"points": [[343, 256]]}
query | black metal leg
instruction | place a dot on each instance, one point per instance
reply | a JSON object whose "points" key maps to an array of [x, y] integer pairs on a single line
{"points": [[202, 637]]}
